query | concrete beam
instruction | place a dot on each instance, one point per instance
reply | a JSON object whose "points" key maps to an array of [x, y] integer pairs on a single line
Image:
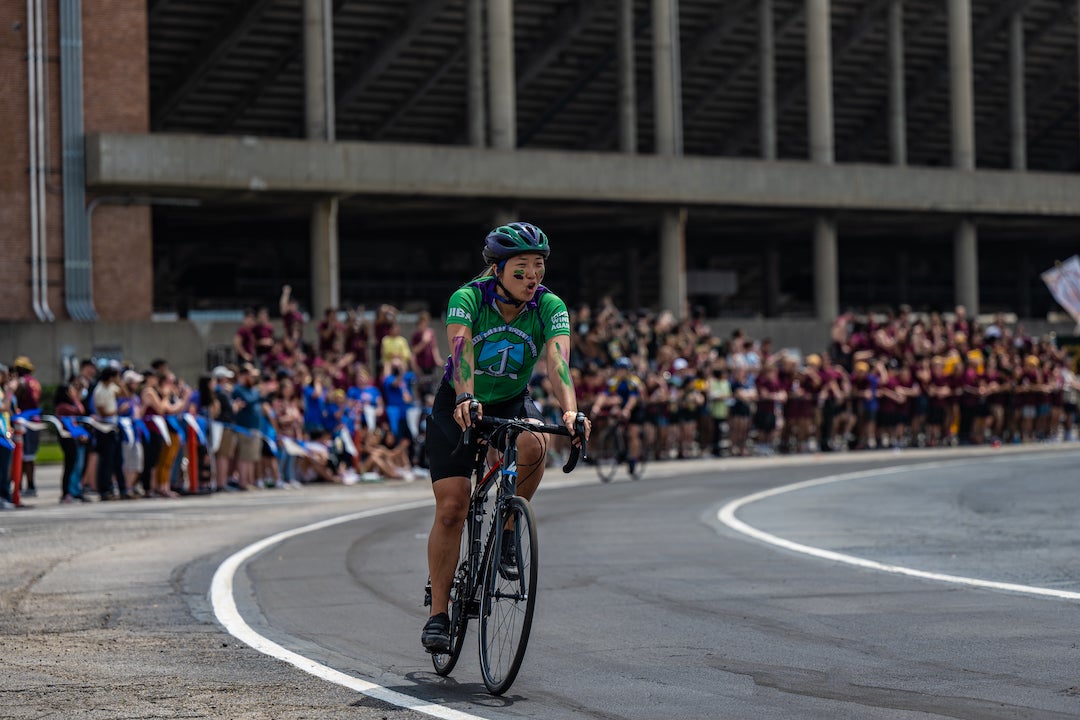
{"points": [[202, 164]]}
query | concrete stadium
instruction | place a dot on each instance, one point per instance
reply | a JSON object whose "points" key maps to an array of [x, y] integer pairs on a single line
{"points": [[771, 161]]}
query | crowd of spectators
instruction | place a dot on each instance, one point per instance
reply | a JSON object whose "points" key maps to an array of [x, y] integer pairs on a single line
{"points": [[349, 404], [896, 379]]}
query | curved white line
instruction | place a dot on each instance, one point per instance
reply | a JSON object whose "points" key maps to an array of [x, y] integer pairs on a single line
{"points": [[221, 598], [727, 516]]}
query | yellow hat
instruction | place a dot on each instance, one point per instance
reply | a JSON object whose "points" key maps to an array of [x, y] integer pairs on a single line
{"points": [[862, 366], [23, 363], [1031, 360], [813, 359]]}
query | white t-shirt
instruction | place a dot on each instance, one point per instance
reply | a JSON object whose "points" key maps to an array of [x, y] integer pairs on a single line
{"points": [[105, 400]]}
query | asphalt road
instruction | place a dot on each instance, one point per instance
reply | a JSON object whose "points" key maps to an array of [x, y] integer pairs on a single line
{"points": [[649, 605]]}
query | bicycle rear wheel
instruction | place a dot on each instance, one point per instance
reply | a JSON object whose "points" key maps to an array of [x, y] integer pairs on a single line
{"points": [[507, 603], [459, 617], [607, 453]]}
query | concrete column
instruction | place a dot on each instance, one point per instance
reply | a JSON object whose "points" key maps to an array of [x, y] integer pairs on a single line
{"points": [[667, 99], [897, 98], [766, 80], [325, 268], [966, 266], [673, 261], [627, 79], [501, 98], [319, 125], [474, 37], [826, 273], [962, 104], [1017, 102], [318, 70], [820, 122], [961, 92], [819, 80], [667, 93]]}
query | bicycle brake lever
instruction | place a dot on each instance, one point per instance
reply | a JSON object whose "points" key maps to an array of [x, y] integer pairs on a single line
{"points": [[577, 451], [467, 435]]}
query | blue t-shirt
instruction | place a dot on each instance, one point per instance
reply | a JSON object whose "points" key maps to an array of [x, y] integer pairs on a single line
{"points": [[249, 416], [394, 394], [366, 396], [314, 407]]}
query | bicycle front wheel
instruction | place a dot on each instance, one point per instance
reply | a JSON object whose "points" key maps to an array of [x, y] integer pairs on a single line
{"points": [[607, 454], [508, 598]]}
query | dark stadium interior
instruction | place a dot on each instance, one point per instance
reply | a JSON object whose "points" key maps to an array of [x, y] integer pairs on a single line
{"points": [[236, 67]]}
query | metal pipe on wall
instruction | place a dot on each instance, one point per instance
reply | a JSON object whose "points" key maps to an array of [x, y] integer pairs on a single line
{"points": [[32, 100], [43, 158], [78, 257]]}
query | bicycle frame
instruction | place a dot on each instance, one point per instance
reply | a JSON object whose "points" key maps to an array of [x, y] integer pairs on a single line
{"points": [[504, 469]]}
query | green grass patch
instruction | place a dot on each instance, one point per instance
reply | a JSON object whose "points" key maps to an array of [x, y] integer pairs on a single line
{"points": [[49, 453]]}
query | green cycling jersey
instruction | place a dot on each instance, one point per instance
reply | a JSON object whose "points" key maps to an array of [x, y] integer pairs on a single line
{"points": [[504, 353]]}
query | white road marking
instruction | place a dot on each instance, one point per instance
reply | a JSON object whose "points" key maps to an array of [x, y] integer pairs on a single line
{"points": [[221, 598], [727, 516]]}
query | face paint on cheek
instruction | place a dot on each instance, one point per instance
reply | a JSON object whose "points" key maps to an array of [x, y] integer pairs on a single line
{"points": [[519, 274]]}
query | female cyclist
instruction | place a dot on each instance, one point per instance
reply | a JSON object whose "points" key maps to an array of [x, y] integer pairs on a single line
{"points": [[497, 325]]}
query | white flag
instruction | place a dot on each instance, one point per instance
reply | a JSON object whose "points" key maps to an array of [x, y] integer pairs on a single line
{"points": [[1063, 280]]}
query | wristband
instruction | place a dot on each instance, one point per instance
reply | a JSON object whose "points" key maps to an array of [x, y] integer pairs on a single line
{"points": [[463, 397]]}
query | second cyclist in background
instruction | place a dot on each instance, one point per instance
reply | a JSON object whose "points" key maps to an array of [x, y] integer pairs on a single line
{"points": [[623, 401]]}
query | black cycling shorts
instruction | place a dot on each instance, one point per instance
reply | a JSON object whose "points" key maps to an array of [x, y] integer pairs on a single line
{"points": [[444, 435]]}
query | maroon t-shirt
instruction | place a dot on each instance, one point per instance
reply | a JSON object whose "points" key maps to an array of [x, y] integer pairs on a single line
{"points": [[293, 321], [764, 406], [247, 339], [327, 334], [264, 336], [887, 404], [356, 342]]}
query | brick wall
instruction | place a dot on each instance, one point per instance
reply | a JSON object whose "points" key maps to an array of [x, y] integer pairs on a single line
{"points": [[116, 98], [15, 302]]}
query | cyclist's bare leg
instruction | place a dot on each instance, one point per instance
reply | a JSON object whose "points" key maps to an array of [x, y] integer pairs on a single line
{"points": [[451, 507], [532, 452], [634, 441]]}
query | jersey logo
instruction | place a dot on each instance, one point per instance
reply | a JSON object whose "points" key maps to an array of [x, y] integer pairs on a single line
{"points": [[455, 312], [502, 351], [560, 322]]}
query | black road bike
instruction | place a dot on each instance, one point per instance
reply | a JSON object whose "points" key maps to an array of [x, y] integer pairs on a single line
{"points": [[612, 448], [497, 591]]}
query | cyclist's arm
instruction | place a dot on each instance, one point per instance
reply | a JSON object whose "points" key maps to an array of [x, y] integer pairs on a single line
{"points": [[461, 368], [562, 385]]}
